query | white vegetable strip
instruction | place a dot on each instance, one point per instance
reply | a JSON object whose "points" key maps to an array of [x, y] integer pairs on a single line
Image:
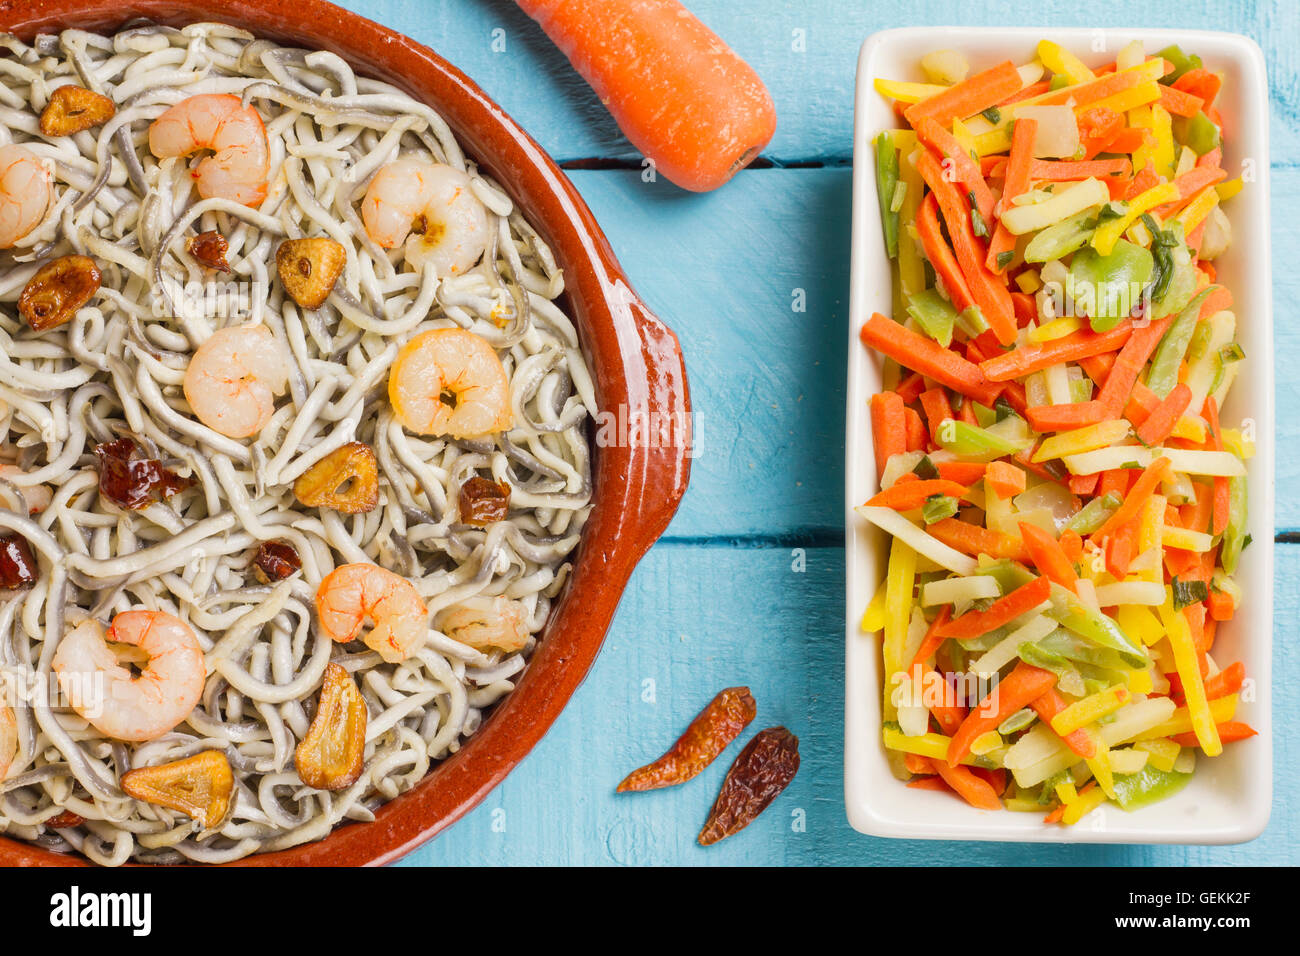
{"points": [[891, 522], [1004, 651], [1058, 384], [1106, 459], [1149, 593], [1134, 718], [1215, 463], [1127, 761], [1087, 592], [1020, 220], [974, 588]]}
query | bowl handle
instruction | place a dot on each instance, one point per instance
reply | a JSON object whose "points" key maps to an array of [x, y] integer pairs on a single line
{"points": [[659, 424]]}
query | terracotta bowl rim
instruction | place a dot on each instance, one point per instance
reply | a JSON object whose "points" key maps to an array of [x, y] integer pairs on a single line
{"points": [[635, 358]]}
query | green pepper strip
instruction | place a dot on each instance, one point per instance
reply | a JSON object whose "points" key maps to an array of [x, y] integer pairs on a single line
{"points": [[1059, 240], [1114, 281], [1071, 613], [971, 443], [1234, 535], [1169, 353], [886, 183], [1149, 785], [1094, 514], [934, 314], [1182, 62]]}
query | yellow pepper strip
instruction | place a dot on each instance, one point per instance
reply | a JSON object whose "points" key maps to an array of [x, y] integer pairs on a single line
{"points": [[1138, 235], [908, 92], [963, 135], [1090, 709], [1100, 767], [1228, 189], [1222, 710], [1139, 681], [986, 743], [1066, 792], [932, 745], [1140, 118], [1107, 234], [996, 140], [1189, 672], [1190, 427], [1022, 805], [1235, 442], [1086, 803], [1059, 60], [1185, 539], [1126, 100], [873, 618], [899, 582], [1056, 329], [1162, 127], [1080, 440], [1162, 752], [1151, 522], [1140, 624], [911, 267], [1198, 209], [1150, 71], [1029, 282]]}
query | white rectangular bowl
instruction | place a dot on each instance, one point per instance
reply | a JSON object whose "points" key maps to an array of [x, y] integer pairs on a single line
{"points": [[1229, 798]]}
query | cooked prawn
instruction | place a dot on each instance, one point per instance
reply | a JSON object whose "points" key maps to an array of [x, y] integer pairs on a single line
{"points": [[233, 378], [220, 122], [25, 192], [450, 382], [133, 707], [38, 497], [354, 593], [8, 738], [487, 622], [433, 205]]}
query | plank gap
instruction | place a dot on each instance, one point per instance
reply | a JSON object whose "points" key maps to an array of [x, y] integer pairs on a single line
{"points": [[798, 538]]}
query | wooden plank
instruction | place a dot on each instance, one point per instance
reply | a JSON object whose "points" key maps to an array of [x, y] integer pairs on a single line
{"points": [[767, 381], [699, 618], [1286, 338], [806, 54]]}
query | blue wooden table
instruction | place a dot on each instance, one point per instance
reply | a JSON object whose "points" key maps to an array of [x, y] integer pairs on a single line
{"points": [[747, 585]]}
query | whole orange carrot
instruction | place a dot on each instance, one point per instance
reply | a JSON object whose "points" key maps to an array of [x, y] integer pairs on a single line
{"points": [[691, 105]]}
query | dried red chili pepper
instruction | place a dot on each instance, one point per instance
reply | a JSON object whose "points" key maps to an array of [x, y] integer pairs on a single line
{"points": [[764, 768], [131, 482], [276, 560], [17, 563], [209, 249], [483, 501], [708, 735], [64, 820]]}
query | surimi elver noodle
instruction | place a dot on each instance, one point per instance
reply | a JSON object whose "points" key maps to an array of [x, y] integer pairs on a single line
{"points": [[296, 412]]}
